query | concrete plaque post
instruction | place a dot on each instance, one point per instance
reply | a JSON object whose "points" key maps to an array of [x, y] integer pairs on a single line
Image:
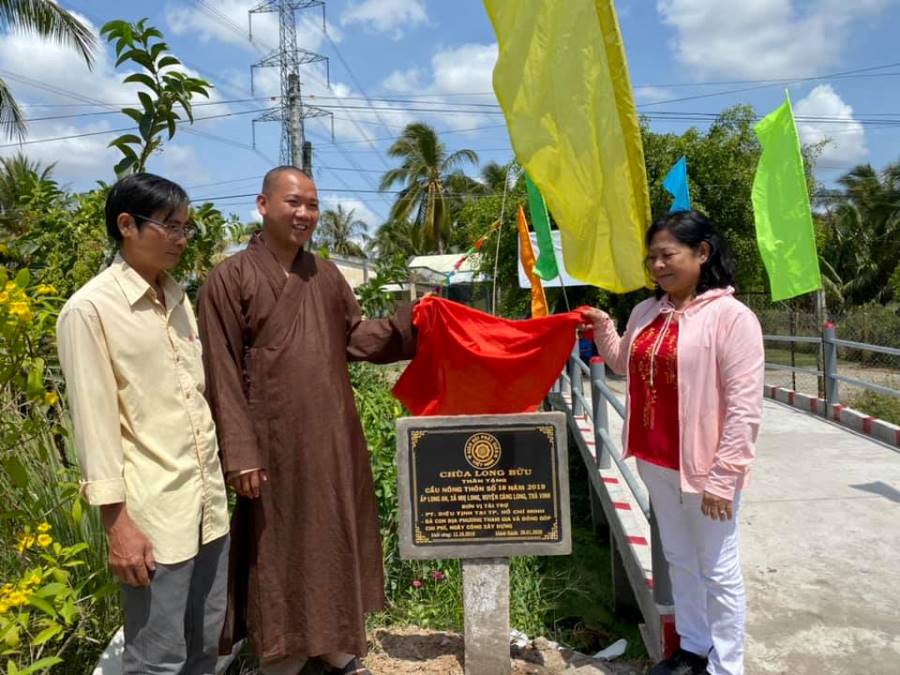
{"points": [[486, 615], [483, 488]]}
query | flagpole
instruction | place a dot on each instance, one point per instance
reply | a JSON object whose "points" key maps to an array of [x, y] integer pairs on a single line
{"points": [[499, 230]]}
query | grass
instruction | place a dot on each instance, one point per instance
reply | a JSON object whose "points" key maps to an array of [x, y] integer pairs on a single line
{"points": [[566, 598], [783, 357], [46, 489], [583, 615], [881, 406]]}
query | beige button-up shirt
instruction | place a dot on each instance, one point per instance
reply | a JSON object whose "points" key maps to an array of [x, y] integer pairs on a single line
{"points": [[144, 431]]}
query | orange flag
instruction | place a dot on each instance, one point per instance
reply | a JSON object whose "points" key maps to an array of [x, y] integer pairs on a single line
{"points": [[538, 299]]}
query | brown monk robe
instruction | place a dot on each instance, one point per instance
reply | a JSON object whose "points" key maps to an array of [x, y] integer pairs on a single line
{"points": [[306, 560]]}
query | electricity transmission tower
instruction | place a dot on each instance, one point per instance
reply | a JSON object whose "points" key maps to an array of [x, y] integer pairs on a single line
{"points": [[288, 58]]}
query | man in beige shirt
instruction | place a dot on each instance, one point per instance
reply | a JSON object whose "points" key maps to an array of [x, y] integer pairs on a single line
{"points": [[131, 356]]}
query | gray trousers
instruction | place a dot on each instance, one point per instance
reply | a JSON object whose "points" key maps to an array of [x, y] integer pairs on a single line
{"points": [[172, 626]]}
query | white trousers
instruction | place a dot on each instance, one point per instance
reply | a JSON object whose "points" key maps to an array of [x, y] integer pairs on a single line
{"points": [[705, 570]]}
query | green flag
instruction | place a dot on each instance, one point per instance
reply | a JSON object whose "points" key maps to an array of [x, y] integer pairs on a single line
{"points": [[545, 267], [784, 227]]}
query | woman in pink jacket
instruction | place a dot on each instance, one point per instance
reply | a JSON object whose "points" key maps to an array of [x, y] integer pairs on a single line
{"points": [[693, 357]]}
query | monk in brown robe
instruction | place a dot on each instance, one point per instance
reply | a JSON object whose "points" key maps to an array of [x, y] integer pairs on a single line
{"points": [[278, 326]]}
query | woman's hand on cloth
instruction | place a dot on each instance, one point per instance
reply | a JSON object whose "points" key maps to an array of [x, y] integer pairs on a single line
{"points": [[717, 508], [593, 319]]}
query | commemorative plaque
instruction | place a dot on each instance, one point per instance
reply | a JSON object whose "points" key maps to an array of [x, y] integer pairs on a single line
{"points": [[483, 486]]}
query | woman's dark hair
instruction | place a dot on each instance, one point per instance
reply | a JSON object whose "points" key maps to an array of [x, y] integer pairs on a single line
{"points": [[142, 195], [692, 228]]}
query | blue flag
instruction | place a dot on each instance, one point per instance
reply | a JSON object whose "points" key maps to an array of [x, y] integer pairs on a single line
{"points": [[676, 184]]}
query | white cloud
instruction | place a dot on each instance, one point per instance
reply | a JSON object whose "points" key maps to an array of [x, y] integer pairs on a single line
{"points": [[650, 94], [385, 16], [761, 38], [846, 141], [75, 158], [456, 75], [57, 66], [360, 210], [465, 69], [62, 78], [179, 163], [227, 21], [404, 81]]}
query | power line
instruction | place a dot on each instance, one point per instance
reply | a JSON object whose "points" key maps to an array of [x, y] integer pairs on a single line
{"points": [[101, 113], [350, 73], [831, 76], [131, 103], [121, 130], [882, 119]]}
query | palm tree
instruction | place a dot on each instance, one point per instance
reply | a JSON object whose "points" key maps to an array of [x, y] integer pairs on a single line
{"points": [[432, 182], [396, 237], [494, 177], [337, 229], [863, 244], [49, 20], [22, 179]]}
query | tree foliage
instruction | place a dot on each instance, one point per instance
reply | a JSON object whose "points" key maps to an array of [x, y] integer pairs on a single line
{"points": [[433, 185], [47, 19], [861, 252], [167, 87], [339, 231]]}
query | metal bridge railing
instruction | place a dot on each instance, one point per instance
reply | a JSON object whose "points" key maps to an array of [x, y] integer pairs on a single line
{"points": [[829, 376], [607, 452]]}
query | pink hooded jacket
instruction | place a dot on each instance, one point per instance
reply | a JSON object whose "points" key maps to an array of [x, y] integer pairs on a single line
{"points": [[720, 384]]}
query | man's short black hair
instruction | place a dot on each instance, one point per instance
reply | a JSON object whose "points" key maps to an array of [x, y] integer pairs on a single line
{"points": [[271, 176], [141, 195]]}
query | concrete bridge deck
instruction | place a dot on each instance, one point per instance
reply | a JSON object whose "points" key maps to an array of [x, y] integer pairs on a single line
{"points": [[820, 529]]}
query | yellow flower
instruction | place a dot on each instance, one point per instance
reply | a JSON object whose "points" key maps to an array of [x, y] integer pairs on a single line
{"points": [[44, 540], [21, 311], [50, 398], [3, 607], [16, 599], [6, 589], [26, 542], [10, 286], [4, 297], [45, 526], [35, 579], [45, 289]]}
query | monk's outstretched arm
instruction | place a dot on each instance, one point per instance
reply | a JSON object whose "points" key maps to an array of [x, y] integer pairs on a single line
{"points": [[222, 337], [377, 340]]}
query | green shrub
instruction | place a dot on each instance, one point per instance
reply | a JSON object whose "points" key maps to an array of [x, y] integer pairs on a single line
{"points": [[874, 324], [881, 406], [428, 593], [57, 600]]}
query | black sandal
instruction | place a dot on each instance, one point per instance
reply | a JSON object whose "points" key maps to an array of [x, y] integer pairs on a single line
{"points": [[353, 667]]}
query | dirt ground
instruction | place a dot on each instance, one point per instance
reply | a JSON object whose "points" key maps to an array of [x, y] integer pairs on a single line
{"points": [[413, 651]]}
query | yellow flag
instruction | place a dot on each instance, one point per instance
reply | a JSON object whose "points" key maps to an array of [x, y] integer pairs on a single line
{"points": [[562, 81], [526, 252]]}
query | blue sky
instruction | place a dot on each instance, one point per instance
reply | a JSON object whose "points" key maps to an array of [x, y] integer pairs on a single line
{"points": [[409, 55]]}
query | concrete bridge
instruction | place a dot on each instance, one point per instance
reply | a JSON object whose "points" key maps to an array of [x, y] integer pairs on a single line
{"points": [[820, 538]]}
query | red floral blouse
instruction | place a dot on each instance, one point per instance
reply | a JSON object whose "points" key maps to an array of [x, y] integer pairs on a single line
{"points": [[653, 427]]}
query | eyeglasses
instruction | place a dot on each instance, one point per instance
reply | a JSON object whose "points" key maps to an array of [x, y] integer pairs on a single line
{"points": [[173, 232]]}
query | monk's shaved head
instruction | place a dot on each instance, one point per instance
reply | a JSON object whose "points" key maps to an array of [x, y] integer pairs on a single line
{"points": [[271, 177]]}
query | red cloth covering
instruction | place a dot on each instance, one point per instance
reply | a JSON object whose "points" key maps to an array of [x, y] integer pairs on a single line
{"points": [[653, 428], [471, 363]]}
